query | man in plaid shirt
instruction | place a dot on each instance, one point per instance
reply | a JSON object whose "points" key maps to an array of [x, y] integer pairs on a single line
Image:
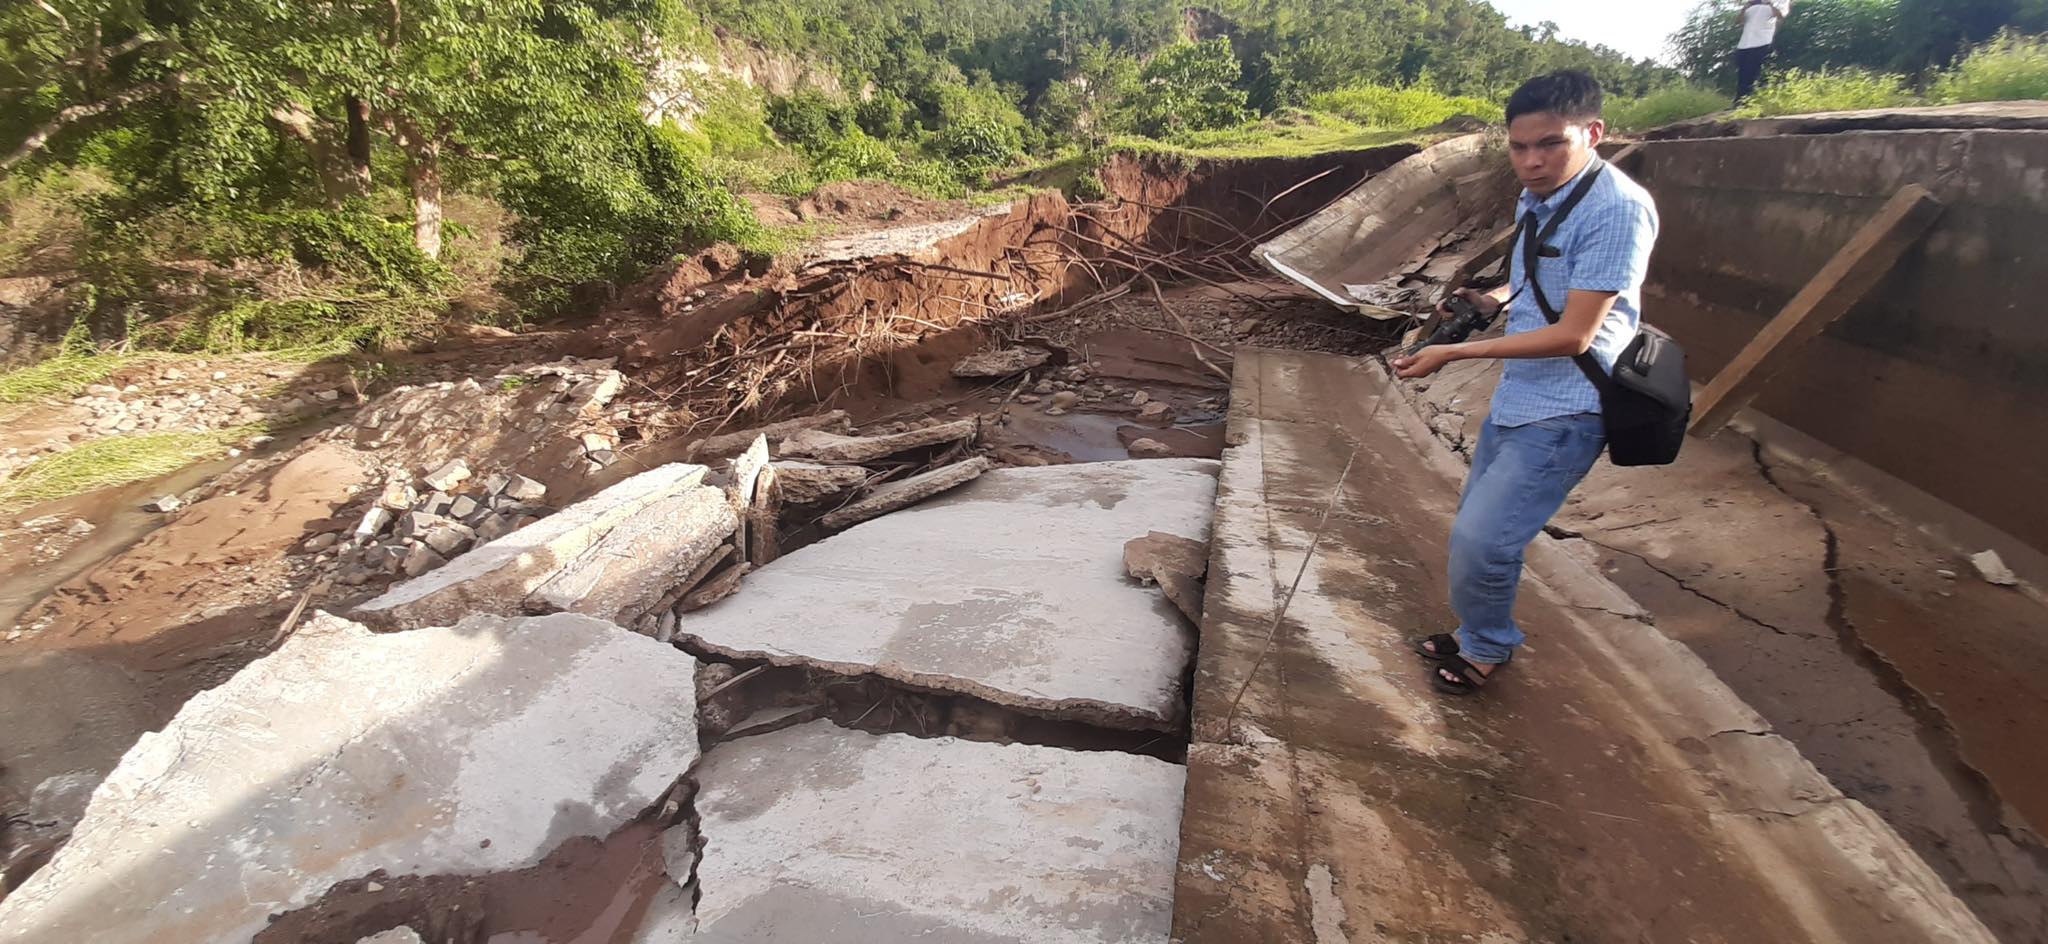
{"points": [[1544, 430]]}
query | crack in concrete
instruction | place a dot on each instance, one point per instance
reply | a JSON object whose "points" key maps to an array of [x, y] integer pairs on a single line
{"points": [[1565, 534], [1980, 796]]}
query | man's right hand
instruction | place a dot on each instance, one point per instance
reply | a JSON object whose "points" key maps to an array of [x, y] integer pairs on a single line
{"points": [[1487, 304]]}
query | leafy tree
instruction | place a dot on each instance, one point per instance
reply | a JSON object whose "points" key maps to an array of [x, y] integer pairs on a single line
{"points": [[1190, 87]]}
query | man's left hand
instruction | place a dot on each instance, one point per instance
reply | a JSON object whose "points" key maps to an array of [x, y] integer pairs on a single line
{"points": [[1422, 363]]}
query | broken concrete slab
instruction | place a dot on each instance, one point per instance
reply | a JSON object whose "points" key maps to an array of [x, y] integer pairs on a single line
{"points": [[627, 571], [465, 749], [995, 365], [821, 833], [908, 492], [498, 576], [1173, 562], [521, 488], [1011, 589], [852, 450], [801, 483]]}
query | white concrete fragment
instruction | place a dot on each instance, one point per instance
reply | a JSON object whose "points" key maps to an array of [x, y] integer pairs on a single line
{"points": [[451, 473], [398, 935], [164, 504], [496, 577], [1011, 588], [819, 833], [521, 488], [1993, 569], [473, 748], [622, 575]]}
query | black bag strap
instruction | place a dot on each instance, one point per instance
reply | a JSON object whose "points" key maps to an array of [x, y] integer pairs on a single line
{"points": [[1532, 247]]}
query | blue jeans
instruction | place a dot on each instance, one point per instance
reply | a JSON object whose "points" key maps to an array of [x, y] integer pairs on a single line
{"points": [[1520, 476]]}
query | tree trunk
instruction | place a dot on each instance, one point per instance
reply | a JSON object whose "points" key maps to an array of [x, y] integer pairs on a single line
{"points": [[358, 145], [423, 175]]}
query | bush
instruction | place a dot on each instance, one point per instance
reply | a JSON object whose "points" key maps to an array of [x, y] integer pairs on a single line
{"points": [[1801, 93], [1190, 87], [884, 116], [808, 119], [978, 141], [602, 218], [2009, 68], [352, 242], [1662, 107], [1401, 109]]}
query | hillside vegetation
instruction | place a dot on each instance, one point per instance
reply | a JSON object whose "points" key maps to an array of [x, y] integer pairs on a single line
{"points": [[325, 178]]}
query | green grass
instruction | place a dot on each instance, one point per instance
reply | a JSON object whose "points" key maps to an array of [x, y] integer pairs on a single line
{"points": [[1804, 93], [1662, 107], [61, 377], [1287, 134], [2009, 68], [115, 460], [1402, 109]]}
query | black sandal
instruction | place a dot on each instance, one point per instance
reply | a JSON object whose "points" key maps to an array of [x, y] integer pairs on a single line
{"points": [[1445, 643], [1468, 677]]}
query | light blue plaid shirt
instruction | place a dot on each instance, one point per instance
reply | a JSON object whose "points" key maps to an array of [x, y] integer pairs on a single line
{"points": [[1604, 247]]}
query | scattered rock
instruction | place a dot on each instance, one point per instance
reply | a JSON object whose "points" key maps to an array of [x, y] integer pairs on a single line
{"points": [[1149, 449], [907, 492], [1992, 568], [79, 527], [416, 524], [319, 542], [420, 559], [450, 538], [327, 396], [498, 576], [849, 450], [462, 507], [1140, 398], [397, 495], [1001, 363], [521, 488], [1153, 410], [164, 504], [451, 474], [373, 522], [1063, 400]]}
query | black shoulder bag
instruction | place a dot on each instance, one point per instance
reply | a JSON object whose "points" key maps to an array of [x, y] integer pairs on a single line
{"points": [[1647, 401]]}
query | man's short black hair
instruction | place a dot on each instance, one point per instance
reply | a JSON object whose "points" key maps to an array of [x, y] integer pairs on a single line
{"points": [[1566, 93]]}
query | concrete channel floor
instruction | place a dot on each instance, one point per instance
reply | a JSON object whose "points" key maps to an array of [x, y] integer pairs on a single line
{"points": [[1608, 788]]}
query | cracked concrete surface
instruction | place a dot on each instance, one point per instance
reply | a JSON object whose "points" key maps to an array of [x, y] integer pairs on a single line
{"points": [[819, 833], [1917, 694], [1610, 788], [474, 748]]}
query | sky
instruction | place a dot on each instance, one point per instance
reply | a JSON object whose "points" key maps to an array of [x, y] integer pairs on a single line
{"points": [[1636, 27]]}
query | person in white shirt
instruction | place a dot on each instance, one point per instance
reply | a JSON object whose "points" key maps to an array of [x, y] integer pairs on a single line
{"points": [[1759, 27]]}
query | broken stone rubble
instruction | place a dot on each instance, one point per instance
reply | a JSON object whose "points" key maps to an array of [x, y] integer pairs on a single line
{"points": [[498, 576], [467, 749]]}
